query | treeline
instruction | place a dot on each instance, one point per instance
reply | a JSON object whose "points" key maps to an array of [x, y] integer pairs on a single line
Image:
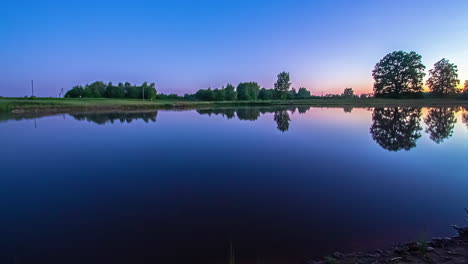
{"points": [[108, 90], [398, 75]]}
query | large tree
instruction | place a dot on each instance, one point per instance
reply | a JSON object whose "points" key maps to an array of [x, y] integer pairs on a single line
{"points": [[248, 91], [443, 79], [282, 85], [397, 74], [230, 93]]}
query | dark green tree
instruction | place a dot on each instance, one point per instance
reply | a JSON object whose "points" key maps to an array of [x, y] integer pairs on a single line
{"points": [[248, 91], [440, 122], [95, 90], [396, 128], [230, 93], [397, 74], [303, 93], [114, 91], [205, 95], [265, 94], [219, 94], [443, 79], [282, 85], [75, 92]]}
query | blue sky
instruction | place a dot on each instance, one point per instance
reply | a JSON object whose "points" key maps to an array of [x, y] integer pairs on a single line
{"points": [[186, 45]]}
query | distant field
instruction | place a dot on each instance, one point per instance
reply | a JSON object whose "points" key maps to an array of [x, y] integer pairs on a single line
{"points": [[60, 105]]}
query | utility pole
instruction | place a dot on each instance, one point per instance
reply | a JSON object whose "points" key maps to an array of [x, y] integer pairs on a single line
{"points": [[32, 87]]}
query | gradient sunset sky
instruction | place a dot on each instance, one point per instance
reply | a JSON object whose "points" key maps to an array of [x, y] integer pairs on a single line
{"points": [[184, 45]]}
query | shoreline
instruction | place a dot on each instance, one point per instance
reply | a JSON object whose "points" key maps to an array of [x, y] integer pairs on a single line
{"points": [[66, 105], [437, 250]]}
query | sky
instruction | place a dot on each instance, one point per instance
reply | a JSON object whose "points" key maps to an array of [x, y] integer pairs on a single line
{"points": [[183, 45]]}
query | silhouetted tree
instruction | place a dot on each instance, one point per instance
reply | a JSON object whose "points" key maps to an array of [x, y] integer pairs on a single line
{"points": [[248, 91], [303, 93], [398, 73], [348, 93], [443, 79], [465, 87], [396, 128], [282, 120], [282, 85], [440, 122]]}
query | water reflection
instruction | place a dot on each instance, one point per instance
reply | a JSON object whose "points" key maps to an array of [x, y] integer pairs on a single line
{"points": [[393, 128], [440, 123], [282, 120], [123, 117], [396, 128]]}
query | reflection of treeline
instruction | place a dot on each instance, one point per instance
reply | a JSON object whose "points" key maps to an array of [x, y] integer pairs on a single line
{"points": [[103, 118], [250, 113], [399, 128], [281, 115]]}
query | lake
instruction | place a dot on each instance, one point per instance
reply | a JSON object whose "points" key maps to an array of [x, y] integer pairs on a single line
{"points": [[265, 185]]}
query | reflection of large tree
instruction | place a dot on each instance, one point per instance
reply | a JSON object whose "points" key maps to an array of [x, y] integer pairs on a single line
{"points": [[248, 113], [102, 118], [282, 120], [465, 118], [396, 128], [440, 123]]}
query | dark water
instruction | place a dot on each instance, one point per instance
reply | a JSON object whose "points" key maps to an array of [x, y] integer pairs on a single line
{"points": [[282, 185]]}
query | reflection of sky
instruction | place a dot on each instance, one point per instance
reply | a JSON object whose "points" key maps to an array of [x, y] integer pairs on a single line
{"points": [[197, 176], [184, 46]]}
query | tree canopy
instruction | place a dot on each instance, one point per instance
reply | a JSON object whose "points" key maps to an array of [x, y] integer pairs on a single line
{"points": [[443, 79], [348, 93], [282, 85], [397, 74], [248, 91], [103, 90]]}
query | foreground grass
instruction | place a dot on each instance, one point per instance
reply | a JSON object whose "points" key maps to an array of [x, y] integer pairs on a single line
{"points": [[57, 105]]}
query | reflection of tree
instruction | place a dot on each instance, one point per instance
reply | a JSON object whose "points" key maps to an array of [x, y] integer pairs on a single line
{"points": [[282, 120], [303, 109], [227, 112], [395, 129], [465, 118], [103, 118], [248, 113], [440, 123], [348, 109]]}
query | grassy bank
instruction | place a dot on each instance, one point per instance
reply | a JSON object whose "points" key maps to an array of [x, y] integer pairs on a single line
{"points": [[60, 105]]}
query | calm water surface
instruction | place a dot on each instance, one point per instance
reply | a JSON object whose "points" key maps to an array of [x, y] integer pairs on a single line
{"points": [[282, 185]]}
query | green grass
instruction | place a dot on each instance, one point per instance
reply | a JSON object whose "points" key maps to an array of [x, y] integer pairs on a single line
{"points": [[99, 104]]}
